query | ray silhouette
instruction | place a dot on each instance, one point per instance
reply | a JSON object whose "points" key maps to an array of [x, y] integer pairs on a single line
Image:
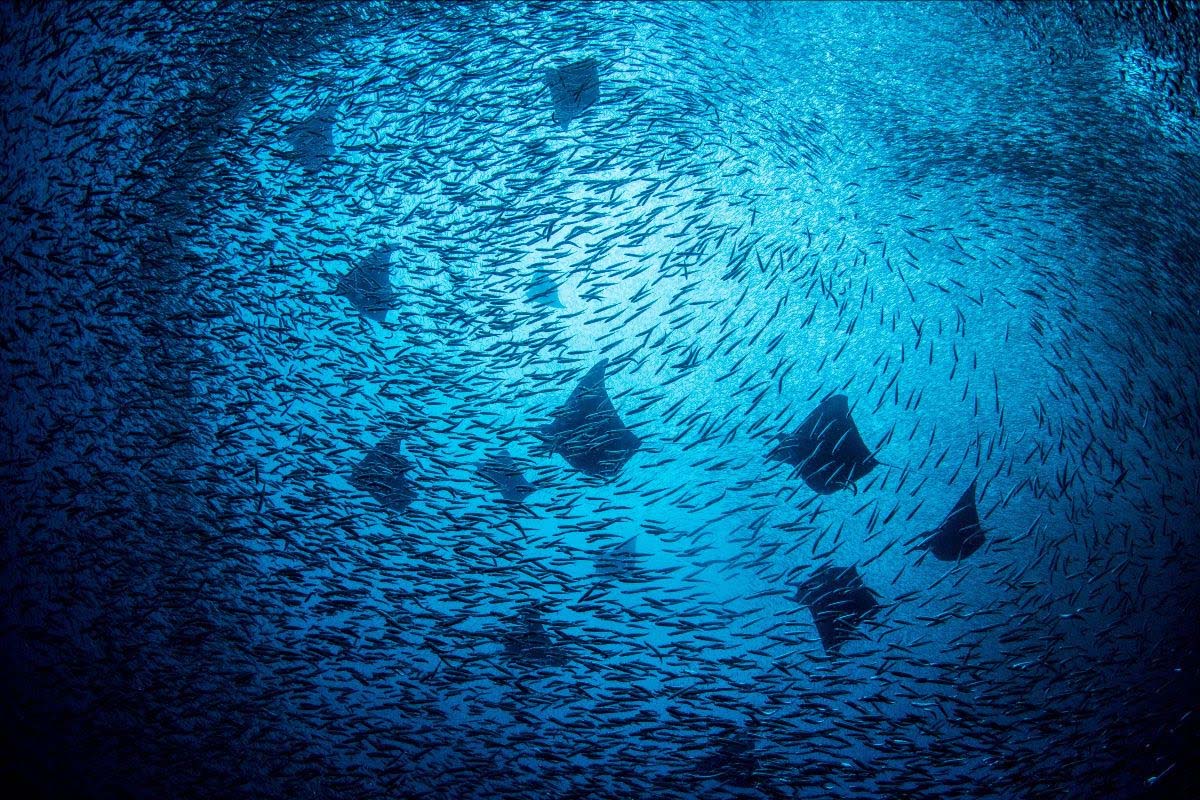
{"points": [[542, 289], [732, 761], [587, 431], [311, 139], [505, 475], [529, 643], [368, 285], [960, 534], [619, 560], [573, 89], [827, 449], [840, 603], [383, 474]]}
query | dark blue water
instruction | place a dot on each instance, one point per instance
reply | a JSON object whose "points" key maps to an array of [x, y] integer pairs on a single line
{"points": [[601, 400]]}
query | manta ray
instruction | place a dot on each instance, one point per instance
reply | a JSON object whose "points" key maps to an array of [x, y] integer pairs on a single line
{"points": [[383, 474], [503, 472], [573, 89], [529, 643], [619, 560], [827, 449], [732, 761], [368, 285], [311, 139], [960, 534], [542, 289], [840, 603], [587, 431]]}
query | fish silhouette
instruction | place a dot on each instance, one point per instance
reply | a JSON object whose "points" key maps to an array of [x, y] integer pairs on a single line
{"points": [[505, 474], [619, 560], [383, 474], [573, 89], [311, 139], [542, 289], [827, 449], [529, 643], [368, 285], [587, 431], [840, 603], [960, 534]]}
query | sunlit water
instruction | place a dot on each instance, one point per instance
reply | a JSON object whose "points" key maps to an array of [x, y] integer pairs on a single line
{"points": [[987, 244]]}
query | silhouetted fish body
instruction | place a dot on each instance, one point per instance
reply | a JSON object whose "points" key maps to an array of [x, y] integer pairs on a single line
{"points": [[827, 449], [840, 603], [531, 645], [505, 474], [312, 140], [368, 285], [587, 431], [733, 763], [383, 474], [543, 290], [960, 534], [573, 89], [619, 560]]}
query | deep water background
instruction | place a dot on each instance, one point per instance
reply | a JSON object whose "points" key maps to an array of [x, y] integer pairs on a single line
{"points": [[977, 221]]}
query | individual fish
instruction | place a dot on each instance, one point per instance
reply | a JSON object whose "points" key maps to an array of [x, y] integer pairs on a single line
{"points": [[587, 431], [383, 474], [505, 474], [573, 89], [368, 285], [840, 603], [827, 448], [960, 534]]}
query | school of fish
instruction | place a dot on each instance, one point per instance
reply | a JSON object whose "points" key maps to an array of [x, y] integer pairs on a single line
{"points": [[600, 400]]}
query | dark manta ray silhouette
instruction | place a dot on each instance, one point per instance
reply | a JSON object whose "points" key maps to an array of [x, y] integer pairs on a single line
{"points": [[530, 644], [573, 89], [368, 285], [383, 474], [587, 432], [827, 449], [505, 474], [619, 560], [312, 139], [840, 603], [733, 761], [543, 290], [960, 534]]}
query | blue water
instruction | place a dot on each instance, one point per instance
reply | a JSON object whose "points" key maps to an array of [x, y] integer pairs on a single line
{"points": [[976, 222]]}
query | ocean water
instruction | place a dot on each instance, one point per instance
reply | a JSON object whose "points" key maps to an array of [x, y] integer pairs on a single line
{"points": [[441, 400]]}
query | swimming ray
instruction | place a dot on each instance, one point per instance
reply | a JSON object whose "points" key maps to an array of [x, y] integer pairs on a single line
{"points": [[368, 285], [840, 603], [618, 561], [505, 474], [573, 89], [542, 289], [587, 431], [733, 761], [960, 534], [383, 474], [529, 643], [311, 139], [827, 449]]}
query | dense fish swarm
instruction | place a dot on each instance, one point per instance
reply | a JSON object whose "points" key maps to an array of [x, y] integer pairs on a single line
{"points": [[600, 400]]}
